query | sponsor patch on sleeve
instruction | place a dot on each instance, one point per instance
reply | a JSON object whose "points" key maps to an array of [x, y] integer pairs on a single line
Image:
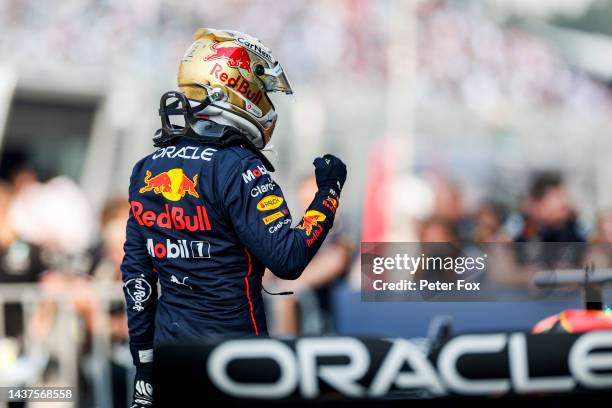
{"points": [[270, 202], [331, 203], [266, 186], [311, 221], [273, 217], [254, 173]]}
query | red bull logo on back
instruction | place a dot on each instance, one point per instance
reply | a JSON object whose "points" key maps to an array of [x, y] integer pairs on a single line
{"points": [[172, 184]]}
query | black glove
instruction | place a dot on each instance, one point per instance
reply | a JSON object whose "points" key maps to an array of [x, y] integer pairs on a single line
{"points": [[143, 387], [330, 173]]}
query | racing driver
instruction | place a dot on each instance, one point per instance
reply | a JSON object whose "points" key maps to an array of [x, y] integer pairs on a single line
{"points": [[206, 217]]}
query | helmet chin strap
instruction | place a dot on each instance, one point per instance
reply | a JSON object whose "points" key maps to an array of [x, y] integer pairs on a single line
{"points": [[218, 113], [200, 126], [179, 107]]}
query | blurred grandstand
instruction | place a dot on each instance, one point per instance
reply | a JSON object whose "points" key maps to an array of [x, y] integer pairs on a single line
{"points": [[448, 114]]}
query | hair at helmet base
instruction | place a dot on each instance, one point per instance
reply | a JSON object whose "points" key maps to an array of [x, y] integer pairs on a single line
{"points": [[236, 72]]}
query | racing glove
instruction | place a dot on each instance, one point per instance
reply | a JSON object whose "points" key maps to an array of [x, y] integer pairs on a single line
{"points": [[143, 387], [330, 173]]}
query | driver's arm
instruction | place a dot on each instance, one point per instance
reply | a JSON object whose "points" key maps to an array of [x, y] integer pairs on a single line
{"points": [[262, 220]]}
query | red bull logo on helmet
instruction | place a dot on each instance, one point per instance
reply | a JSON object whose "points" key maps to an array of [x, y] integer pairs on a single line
{"points": [[238, 83], [172, 184], [237, 56]]}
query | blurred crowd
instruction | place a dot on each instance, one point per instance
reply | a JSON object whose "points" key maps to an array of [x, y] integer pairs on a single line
{"points": [[47, 230], [487, 66], [461, 50], [134, 34], [50, 235]]}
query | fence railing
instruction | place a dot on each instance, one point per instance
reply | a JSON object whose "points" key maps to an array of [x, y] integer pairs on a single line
{"points": [[68, 326], [66, 336]]}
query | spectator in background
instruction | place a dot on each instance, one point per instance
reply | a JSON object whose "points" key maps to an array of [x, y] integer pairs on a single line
{"points": [[603, 231], [448, 206], [55, 214], [441, 240], [106, 273], [599, 244], [437, 229], [22, 178], [488, 224], [20, 262], [87, 296], [548, 215], [104, 269], [108, 253], [312, 290]]}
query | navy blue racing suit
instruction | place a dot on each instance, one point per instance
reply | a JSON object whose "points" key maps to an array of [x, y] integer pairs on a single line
{"points": [[206, 221]]}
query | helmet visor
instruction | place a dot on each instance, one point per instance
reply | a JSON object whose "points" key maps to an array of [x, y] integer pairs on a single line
{"points": [[274, 79]]}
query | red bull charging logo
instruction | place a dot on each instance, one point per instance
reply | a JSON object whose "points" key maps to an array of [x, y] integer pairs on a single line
{"points": [[172, 184], [311, 220], [237, 57]]}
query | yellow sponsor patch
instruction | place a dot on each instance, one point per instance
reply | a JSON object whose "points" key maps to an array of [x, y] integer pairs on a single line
{"points": [[270, 202], [273, 217]]}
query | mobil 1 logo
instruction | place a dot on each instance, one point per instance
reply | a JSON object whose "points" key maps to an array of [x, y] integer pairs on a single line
{"points": [[178, 249]]}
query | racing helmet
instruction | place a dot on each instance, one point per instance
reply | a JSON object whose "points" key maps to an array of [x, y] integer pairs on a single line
{"points": [[228, 75]]}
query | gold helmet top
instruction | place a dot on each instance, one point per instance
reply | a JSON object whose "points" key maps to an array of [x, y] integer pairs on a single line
{"points": [[236, 72]]}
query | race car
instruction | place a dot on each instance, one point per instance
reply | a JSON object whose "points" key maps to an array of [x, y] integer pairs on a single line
{"points": [[594, 316]]}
